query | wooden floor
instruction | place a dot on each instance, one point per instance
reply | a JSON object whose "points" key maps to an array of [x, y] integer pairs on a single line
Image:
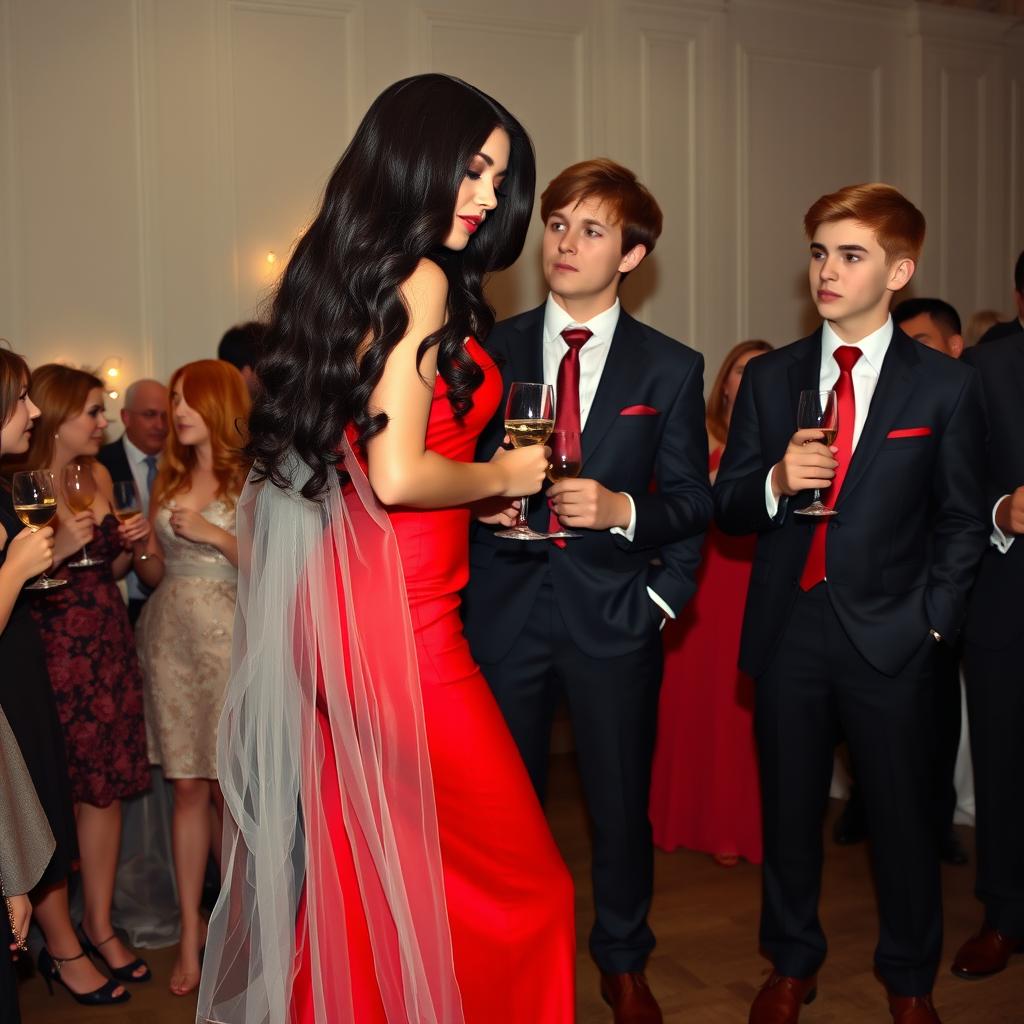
{"points": [[705, 969]]}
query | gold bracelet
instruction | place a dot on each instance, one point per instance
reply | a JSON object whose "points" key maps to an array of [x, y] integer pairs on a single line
{"points": [[19, 939]]}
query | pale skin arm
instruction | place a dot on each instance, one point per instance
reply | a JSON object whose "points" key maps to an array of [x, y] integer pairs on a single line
{"points": [[28, 555], [402, 470]]}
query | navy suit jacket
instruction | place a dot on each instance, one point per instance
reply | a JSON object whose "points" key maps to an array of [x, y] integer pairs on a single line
{"points": [[115, 458], [912, 520], [993, 618], [660, 458]]}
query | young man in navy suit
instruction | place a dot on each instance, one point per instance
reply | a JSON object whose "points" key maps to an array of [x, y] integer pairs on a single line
{"points": [[845, 613], [583, 616]]}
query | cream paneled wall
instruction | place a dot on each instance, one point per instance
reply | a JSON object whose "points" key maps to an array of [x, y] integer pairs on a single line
{"points": [[152, 152]]}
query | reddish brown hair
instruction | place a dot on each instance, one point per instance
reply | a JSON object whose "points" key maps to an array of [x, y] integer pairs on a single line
{"points": [[717, 424], [897, 223], [217, 391], [634, 208]]}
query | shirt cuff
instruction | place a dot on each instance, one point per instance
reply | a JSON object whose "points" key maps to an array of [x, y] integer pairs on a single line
{"points": [[659, 601], [999, 539], [630, 529], [771, 503]]}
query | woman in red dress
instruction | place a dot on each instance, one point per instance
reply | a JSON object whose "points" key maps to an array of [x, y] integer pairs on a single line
{"points": [[705, 793], [387, 859]]}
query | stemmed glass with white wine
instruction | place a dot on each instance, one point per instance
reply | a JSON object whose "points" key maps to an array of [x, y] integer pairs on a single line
{"points": [[80, 493], [818, 410], [35, 502], [529, 418]]}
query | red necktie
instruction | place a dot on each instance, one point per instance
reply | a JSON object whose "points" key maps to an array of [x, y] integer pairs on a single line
{"points": [[567, 394], [846, 356]]}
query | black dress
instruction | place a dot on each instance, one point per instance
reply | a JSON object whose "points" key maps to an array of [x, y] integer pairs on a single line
{"points": [[26, 697]]}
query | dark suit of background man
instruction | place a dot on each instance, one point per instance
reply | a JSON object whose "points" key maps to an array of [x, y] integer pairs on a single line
{"points": [[994, 670], [844, 613], [134, 455], [585, 616], [1010, 327]]}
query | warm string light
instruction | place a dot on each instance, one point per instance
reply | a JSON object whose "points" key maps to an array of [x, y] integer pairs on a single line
{"points": [[110, 371]]}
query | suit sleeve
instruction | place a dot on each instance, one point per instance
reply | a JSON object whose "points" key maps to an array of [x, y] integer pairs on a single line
{"points": [[673, 520], [739, 491], [961, 525]]}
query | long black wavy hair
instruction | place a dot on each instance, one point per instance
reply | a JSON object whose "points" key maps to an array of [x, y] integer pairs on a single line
{"points": [[339, 313]]}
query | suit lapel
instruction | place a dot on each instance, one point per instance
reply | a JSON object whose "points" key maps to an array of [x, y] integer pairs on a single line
{"points": [[626, 360], [805, 370], [895, 386]]}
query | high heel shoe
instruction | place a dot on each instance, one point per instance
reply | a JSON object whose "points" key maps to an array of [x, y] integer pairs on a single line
{"points": [[50, 968], [124, 973]]}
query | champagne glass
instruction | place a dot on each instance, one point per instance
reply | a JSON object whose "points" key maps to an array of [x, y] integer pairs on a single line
{"points": [[79, 493], [126, 500], [35, 501], [818, 410], [566, 461], [529, 417]]}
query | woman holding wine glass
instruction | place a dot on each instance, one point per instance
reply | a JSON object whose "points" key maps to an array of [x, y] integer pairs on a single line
{"points": [[26, 694], [192, 562], [90, 648]]}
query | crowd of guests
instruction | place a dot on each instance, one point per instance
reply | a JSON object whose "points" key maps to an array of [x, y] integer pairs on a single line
{"points": [[102, 682]]}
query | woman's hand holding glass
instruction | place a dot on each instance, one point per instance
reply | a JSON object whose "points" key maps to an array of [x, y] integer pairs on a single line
{"points": [[73, 533], [30, 553], [524, 469]]}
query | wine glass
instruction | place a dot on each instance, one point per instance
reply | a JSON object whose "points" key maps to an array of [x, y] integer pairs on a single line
{"points": [[566, 461], [529, 417], [79, 493], [35, 501], [818, 410], [126, 500]]}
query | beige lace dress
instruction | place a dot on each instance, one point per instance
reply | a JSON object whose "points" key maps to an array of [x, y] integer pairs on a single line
{"points": [[184, 640]]}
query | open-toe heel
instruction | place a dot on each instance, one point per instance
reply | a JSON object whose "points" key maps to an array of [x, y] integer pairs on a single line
{"points": [[50, 967], [123, 973]]}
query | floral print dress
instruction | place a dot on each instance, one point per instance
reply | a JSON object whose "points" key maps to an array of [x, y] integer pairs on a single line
{"points": [[95, 674]]}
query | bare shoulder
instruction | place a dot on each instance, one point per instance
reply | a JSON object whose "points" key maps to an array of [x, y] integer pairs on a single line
{"points": [[425, 290], [101, 477]]}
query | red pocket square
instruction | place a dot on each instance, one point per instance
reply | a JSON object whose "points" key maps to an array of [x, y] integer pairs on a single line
{"points": [[639, 410], [910, 432]]}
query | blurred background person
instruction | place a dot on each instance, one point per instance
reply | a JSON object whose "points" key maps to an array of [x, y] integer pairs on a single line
{"points": [[1016, 325], [240, 347], [978, 323], [704, 790], [90, 647], [134, 456], [185, 630], [27, 701]]}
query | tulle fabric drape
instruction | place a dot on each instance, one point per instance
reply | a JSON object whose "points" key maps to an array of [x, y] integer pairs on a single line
{"points": [[322, 628]]}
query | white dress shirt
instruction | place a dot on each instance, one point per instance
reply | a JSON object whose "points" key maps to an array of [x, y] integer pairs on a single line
{"points": [[593, 356], [865, 379]]}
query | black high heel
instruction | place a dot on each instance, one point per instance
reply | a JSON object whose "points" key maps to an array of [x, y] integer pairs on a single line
{"points": [[50, 968], [123, 973]]}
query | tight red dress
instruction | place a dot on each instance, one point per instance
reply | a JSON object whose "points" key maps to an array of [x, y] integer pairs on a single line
{"points": [[508, 893], [705, 792]]}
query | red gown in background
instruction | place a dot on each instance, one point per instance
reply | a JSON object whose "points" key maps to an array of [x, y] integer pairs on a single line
{"points": [[705, 792], [508, 893]]}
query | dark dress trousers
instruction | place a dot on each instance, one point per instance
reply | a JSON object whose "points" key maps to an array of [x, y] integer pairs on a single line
{"points": [[853, 657], [540, 618], [994, 654]]}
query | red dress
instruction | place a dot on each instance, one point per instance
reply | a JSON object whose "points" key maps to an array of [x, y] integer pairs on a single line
{"points": [[508, 893], [705, 793]]}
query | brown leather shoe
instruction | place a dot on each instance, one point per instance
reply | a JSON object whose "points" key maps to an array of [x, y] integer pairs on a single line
{"points": [[987, 953], [781, 997], [912, 1010], [630, 998]]}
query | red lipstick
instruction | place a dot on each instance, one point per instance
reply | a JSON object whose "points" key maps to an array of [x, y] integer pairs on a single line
{"points": [[472, 223]]}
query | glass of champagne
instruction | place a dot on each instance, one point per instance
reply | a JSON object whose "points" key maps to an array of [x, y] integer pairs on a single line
{"points": [[529, 417], [79, 493], [35, 501], [126, 500], [818, 410], [566, 461]]}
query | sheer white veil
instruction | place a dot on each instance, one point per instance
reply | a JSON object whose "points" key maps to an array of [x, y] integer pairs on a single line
{"points": [[324, 656]]}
